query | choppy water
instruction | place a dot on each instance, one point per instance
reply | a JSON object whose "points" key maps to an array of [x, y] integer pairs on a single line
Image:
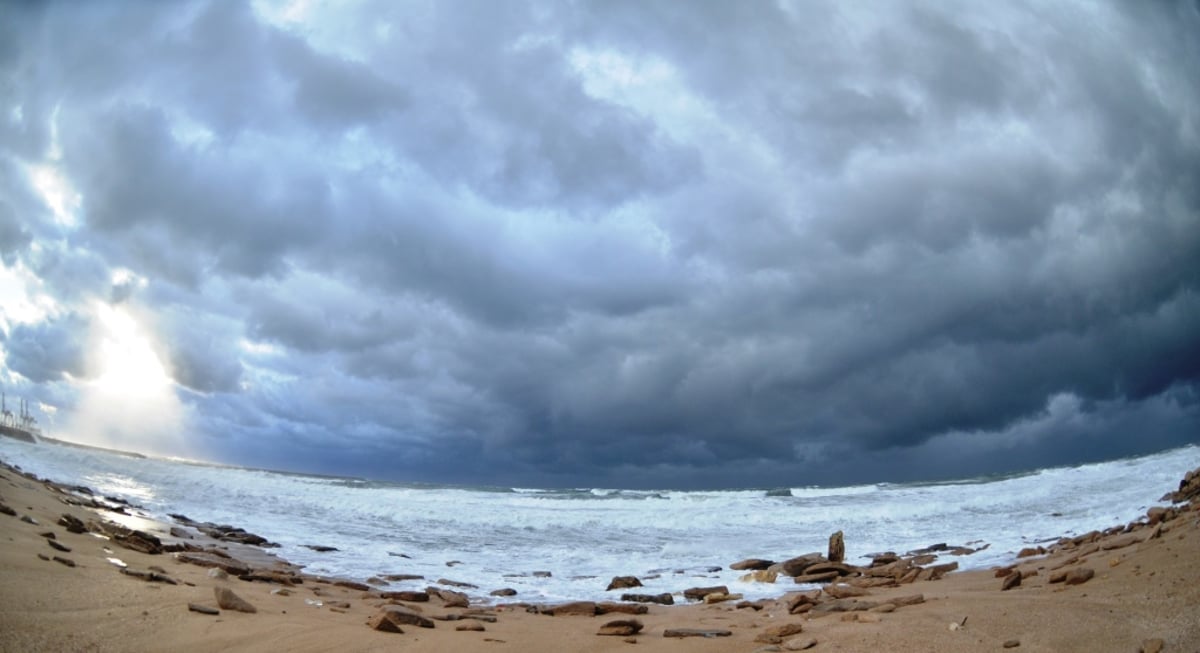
{"points": [[586, 536]]}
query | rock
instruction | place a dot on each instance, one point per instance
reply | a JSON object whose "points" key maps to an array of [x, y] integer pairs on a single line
{"points": [[1030, 551], [450, 598], [1151, 646], [203, 609], [825, 567], [1012, 643], [751, 564], [455, 583], [1079, 575], [470, 625], [402, 616], [395, 578], [29, 520], [623, 608], [1010, 581], [867, 617], [798, 599], [882, 559], [623, 582], [824, 577], [1156, 514], [781, 631], [383, 623], [1120, 542], [698, 593], [507, 591], [837, 547], [6, 509], [799, 644], [844, 605], [218, 573], [320, 548], [760, 576], [797, 566], [72, 523], [212, 559], [621, 628], [695, 632], [58, 546], [841, 591], [406, 595], [910, 599], [65, 561], [662, 599], [717, 597], [884, 608], [227, 600], [352, 584], [573, 609]]}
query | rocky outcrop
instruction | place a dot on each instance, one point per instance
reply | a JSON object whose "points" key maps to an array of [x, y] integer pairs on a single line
{"points": [[1189, 488], [573, 609], [837, 547], [623, 582]]}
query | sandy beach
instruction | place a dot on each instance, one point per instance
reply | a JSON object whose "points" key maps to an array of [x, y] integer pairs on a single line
{"points": [[89, 591]]}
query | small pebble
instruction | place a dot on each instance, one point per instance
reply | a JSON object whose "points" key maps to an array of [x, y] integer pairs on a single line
{"points": [[1012, 643]]}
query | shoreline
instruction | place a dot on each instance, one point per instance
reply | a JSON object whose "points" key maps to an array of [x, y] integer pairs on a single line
{"points": [[899, 604]]}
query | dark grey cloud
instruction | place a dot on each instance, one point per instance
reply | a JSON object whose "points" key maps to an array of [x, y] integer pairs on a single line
{"points": [[621, 243]]}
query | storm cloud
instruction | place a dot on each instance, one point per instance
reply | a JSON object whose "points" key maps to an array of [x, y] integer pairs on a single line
{"points": [[614, 243]]}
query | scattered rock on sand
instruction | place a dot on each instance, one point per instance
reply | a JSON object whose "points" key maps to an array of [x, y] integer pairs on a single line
{"points": [[227, 600], [406, 595], [776, 634], [383, 623], [401, 615], [623, 608], [573, 609], [1010, 581], [450, 598], [623, 582], [65, 561], [1079, 575], [695, 632], [621, 628], [1151, 646], [203, 609], [58, 546], [799, 644], [470, 625], [1012, 643], [4, 508]]}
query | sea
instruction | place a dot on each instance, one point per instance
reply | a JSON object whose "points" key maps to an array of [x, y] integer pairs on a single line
{"points": [[502, 537]]}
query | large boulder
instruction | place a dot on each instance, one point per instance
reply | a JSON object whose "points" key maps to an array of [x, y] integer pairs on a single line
{"points": [[623, 582]]}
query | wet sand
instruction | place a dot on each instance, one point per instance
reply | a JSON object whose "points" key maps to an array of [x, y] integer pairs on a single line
{"points": [[1145, 587]]}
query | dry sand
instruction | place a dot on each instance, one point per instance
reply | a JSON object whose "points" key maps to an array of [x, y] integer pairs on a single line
{"points": [[1148, 589]]}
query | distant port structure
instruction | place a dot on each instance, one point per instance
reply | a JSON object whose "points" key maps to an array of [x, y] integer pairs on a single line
{"points": [[21, 425]]}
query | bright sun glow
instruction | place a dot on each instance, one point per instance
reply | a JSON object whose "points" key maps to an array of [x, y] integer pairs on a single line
{"points": [[127, 361]]}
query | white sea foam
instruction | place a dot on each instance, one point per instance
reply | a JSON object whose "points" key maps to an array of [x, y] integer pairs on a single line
{"points": [[585, 536]]}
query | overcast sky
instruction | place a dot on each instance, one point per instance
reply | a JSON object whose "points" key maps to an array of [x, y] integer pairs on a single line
{"points": [[646, 243]]}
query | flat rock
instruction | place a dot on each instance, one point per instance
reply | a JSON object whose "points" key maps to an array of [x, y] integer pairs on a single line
{"points": [[1012, 643], [797, 566], [695, 632], [227, 600], [507, 591], [203, 609], [64, 561], [622, 608], [401, 615], [823, 577], [1079, 575], [662, 599], [406, 595], [799, 644], [573, 609], [58, 546], [456, 583], [450, 598], [842, 591], [470, 625], [776, 634], [621, 628], [751, 564], [698, 593]]}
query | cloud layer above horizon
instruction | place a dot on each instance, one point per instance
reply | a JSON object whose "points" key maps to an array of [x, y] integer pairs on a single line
{"points": [[605, 243]]}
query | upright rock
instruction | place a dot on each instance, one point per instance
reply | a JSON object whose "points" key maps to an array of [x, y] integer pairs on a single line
{"points": [[837, 547]]}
